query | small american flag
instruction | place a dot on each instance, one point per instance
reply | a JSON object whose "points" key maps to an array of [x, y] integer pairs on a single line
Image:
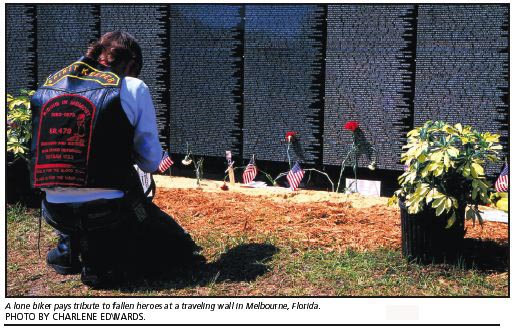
{"points": [[165, 163], [501, 184], [250, 172], [295, 176]]}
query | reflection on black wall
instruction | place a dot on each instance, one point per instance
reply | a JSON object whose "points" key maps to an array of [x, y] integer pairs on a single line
{"points": [[149, 24], [206, 79], [63, 33], [282, 85], [462, 67], [20, 36], [237, 77], [369, 79]]}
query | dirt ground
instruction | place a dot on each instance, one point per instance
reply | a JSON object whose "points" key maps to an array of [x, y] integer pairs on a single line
{"points": [[277, 194], [311, 218]]}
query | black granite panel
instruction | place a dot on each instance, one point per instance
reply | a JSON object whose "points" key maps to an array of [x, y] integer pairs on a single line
{"points": [[282, 80], [149, 24], [63, 34], [206, 79], [369, 79], [238, 77], [20, 54], [462, 67]]}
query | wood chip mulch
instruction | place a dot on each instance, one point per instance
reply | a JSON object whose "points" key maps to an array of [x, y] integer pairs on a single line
{"points": [[332, 226]]}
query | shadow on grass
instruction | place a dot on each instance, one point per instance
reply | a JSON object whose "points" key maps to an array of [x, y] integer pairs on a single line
{"points": [[482, 255], [485, 255], [241, 263]]}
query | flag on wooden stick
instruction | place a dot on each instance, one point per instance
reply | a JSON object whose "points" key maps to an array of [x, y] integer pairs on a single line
{"points": [[250, 172], [501, 184], [295, 176], [165, 163]]}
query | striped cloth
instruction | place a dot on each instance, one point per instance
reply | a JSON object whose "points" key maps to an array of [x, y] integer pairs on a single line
{"points": [[295, 176], [165, 164], [501, 184], [249, 172]]}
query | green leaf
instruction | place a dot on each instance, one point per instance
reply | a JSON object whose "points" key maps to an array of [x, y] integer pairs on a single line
{"points": [[425, 172], [436, 156], [440, 209], [470, 214], [446, 160], [476, 170], [479, 216], [439, 171], [448, 203], [496, 147], [493, 138], [438, 201], [450, 130], [452, 151], [502, 204], [474, 193], [430, 196], [413, 208], [422, 189], [414, 132], [451, 219], [466, 171]]}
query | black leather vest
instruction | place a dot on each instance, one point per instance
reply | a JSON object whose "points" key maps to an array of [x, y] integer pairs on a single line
{"points": [[81, 135]]}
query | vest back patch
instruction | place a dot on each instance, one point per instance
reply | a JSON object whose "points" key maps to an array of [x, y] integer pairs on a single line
{"points": [[84, 71], [63, 141]]}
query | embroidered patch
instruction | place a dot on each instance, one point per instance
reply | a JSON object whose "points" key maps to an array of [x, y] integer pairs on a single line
{"points": [[63, 141], [81, 70]]}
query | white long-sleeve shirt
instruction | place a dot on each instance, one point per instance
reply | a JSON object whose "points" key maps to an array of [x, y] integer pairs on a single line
{"points": [[138, 106]]}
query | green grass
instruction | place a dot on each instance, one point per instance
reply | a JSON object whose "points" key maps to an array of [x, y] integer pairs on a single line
{"points": [[257, 265], [385, 272]]}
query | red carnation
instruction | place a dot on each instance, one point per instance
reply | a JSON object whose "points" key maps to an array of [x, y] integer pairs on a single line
{"points": [[352, 125], [290, 136]]}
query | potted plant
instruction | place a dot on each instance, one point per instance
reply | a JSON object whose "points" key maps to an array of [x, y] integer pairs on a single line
{"points": [[444, 175], [19, 133]]}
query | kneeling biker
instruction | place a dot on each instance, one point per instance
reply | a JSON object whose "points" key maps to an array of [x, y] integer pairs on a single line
{"points": [[92, 122]]}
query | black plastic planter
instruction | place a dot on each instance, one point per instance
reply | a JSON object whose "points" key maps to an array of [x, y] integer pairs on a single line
{"points": [[426, 239]]}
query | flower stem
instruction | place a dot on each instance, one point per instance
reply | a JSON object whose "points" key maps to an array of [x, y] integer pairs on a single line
{"points": [[288, 155], [269, 177], [342, 167], [354, 146], [327, 175]]}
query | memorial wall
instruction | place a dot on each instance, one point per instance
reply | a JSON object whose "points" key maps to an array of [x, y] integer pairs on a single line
{"points": [[238, 77], [462, 67], [369, 78], [150, 25], [283, 81], [20, 44], [55, 48], [206, 79]]}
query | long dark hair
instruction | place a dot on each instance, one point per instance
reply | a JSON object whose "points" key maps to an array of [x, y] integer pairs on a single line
{"points": [[114, 48]]}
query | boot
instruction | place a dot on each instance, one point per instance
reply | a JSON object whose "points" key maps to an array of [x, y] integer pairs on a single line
{"points": [[64, 258], [99, 266]]}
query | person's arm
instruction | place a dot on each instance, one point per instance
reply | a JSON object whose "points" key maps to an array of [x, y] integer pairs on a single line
{"points": [[138, 106]]}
